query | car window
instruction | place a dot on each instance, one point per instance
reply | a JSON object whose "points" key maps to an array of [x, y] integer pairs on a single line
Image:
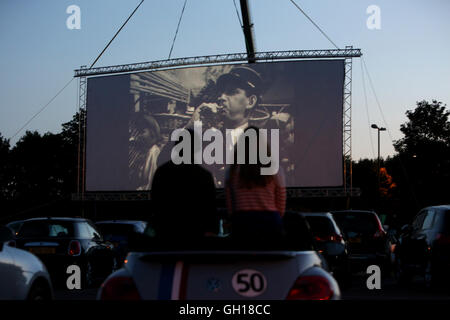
{"points": [[93, 231], [418, 221], [320, 225], [40, 228], [58, 230], [429, 219], [358, 222], [87, 231], [83, 231], [15, 226]]}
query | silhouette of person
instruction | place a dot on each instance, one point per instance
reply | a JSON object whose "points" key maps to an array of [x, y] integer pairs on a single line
{"points": [[183, 196]]}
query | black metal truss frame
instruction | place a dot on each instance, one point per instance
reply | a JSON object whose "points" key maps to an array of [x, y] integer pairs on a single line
{"points": [[348, 52], [145, 195], [347, 125]]}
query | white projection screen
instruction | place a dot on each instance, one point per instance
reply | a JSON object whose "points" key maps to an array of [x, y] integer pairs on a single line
{"points": [[130, 118]]}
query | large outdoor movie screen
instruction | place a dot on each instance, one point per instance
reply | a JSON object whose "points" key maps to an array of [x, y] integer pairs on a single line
{"points": [[131, 118]]}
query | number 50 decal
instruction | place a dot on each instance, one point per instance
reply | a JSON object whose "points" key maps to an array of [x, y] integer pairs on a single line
{"points": [[249, 283]]}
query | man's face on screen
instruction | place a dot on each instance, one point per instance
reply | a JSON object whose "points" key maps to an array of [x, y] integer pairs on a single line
{"points": [[236, 105]]}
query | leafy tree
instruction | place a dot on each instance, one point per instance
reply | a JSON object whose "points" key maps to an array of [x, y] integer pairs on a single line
{"points": [[4, 167], [387, 185], [424, 154], [71, 133], [365, 178], [428, 128], [37, 167]]}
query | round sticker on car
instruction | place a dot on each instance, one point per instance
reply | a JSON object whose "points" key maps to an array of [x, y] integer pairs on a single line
{"points": [[249, 283]]}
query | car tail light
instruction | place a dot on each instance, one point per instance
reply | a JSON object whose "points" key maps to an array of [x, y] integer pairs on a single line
{"points": [[311, 288], [74, 248], [443, 239], [119, 288], [329, 238], [12, 243], [379, 234]]}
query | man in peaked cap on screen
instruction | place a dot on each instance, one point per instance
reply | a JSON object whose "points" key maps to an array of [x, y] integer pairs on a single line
{"points": [[238, 93]]}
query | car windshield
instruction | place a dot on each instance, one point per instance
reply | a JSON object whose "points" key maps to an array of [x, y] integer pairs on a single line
{"points": [[46, 229], [357, 222], [320, 225]]}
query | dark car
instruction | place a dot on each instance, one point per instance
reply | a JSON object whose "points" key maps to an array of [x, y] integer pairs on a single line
{"points": [[120, 233], [424, 247], [329, 241], [61, 242], [367, 242]]}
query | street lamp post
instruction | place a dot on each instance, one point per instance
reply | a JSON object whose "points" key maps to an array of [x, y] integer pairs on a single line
{"points": [[374, 126]]}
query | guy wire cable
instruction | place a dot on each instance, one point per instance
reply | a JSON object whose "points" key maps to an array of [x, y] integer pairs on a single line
{"points": [[390, 135], [367, 109], [67, 84], [315, 24], [178, 26]]}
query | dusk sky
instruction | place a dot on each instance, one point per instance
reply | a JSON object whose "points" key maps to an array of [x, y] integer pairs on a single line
{"points": [[408, 58]]}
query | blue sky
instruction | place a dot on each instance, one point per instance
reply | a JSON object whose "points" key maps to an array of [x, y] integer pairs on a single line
{"points": [[408, 59]]}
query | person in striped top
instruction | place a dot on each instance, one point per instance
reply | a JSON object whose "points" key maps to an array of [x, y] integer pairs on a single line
{"points": [[255, 202]]}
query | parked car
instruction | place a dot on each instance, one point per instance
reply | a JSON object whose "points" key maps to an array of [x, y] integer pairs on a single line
{"points": [[60, 242], [22, 275], [367, 242], [329, 241], [221, 268], [120, 233], [424, 247]]}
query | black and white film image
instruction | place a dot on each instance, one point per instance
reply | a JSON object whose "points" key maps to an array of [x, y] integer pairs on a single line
{"points": [[303, 100]]}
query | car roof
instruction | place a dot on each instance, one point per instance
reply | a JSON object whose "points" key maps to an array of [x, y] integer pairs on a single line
{"points": [[352, 211], [443, 206], [120, 222], [317, 214], [57, 219], [15, 221]]}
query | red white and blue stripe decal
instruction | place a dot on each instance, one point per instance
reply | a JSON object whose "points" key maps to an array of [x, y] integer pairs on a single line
{"points": [[172, 282]]}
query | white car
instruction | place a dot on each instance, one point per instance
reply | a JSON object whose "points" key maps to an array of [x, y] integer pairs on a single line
{"points": [[224, 270], [22, 274]]}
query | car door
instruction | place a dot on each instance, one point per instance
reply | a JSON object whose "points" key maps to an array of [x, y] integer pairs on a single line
{"points": [[417, 249], [408, 246], [11, 275], [6, 273], [89, 239], [99, 254], [427, 231]]}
